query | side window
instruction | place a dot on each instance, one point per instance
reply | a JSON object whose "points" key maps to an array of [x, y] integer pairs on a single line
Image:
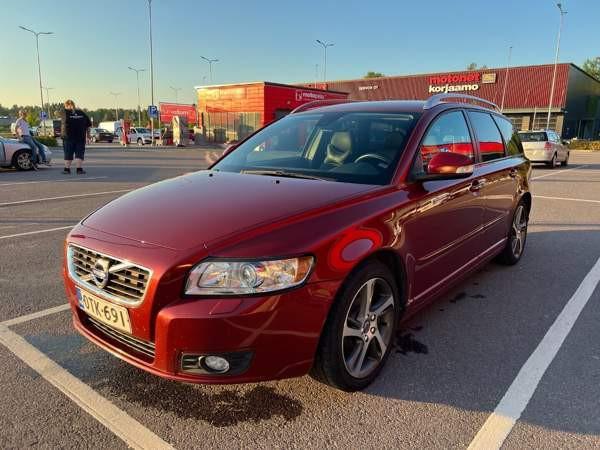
{"points": [[490, 142], [511, 137], [448, 133]]}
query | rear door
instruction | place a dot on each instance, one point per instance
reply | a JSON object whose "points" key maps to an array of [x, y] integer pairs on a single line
{"points": [[499, 172], [445, 228]]}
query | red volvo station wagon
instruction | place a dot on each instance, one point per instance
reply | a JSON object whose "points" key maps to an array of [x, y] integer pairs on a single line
{"points": [[302, 248]]}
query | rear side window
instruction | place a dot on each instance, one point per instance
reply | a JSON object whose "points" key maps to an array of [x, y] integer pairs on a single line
{"points": [[538, 136], [448, 133], [511, 137], [490, 142]]}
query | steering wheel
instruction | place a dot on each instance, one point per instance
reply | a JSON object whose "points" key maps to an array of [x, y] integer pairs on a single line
{"points": [[373, 156]]}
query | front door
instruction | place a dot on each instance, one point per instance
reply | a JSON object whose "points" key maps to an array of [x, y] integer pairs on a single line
{"points": [[446, 225]]}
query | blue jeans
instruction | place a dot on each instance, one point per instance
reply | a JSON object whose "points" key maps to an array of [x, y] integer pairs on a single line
{"points": [[35, 149]]}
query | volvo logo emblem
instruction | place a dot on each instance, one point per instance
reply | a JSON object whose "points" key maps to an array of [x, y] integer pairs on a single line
{"points": [[100, 272]]}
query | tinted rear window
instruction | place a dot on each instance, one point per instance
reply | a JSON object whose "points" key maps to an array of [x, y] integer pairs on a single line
{"points": [[539, 136]]}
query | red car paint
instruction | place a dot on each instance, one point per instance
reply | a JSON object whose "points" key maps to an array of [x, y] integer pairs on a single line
{"points": [[437, 232]]}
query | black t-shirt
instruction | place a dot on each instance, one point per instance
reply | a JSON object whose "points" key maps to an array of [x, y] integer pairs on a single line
{"points": [[75, 124]]}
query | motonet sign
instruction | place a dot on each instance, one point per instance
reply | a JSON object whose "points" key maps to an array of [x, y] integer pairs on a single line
{"points": [[454, 82]]}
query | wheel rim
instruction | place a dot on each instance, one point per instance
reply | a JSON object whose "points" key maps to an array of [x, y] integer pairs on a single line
{"points": [[368, 327], [24, 161], [519, 231]]}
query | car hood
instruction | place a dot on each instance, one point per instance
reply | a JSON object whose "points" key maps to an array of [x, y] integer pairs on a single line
{"points": [[206, 207]]}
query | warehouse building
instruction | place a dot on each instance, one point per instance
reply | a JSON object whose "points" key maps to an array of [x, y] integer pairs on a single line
{"points": [[523, 92]]}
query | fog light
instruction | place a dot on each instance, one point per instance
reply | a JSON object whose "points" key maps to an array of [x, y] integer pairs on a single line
{"points": [[216, 363]]}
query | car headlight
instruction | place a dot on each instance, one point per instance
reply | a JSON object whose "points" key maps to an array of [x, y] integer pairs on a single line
{"points": [[247, 277]]}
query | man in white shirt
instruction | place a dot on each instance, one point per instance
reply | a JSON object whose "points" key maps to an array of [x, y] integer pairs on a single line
{"points": [[22, 130]]}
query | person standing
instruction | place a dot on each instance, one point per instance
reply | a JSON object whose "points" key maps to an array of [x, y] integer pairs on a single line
{"points": [[24, 134], [75, 126]]}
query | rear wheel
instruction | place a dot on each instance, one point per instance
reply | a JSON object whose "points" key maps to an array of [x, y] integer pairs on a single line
{"points": [[22, 160], [140, 142], [517, 236], [566, 161], [552, 163], [357, 337]]}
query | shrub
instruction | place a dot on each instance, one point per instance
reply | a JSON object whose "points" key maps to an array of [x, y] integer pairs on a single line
{"points": [[47, 141]]}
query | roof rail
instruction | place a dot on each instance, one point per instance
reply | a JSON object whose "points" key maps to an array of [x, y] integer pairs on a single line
{"points": [[438, 99], [318, 103]]}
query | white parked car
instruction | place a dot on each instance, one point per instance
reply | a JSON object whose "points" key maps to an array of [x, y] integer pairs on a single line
{"points": [[137, 135], [544, 146]]}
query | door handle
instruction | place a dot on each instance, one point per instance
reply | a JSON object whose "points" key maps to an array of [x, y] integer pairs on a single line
{"points": [[513, 173], [476, 185]]}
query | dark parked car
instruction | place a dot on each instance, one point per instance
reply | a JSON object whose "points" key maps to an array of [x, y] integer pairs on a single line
{"points": [[305, 245], [101, 135]]}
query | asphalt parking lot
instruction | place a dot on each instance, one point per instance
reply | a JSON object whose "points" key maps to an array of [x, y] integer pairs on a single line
{"points": [[473, 352]]}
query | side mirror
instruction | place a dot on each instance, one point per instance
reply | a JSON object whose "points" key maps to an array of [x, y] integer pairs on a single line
{"points": [[447, 166], [565, 141]]}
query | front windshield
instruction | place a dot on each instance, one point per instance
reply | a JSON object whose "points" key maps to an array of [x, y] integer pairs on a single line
{"points": [[351, 147]]}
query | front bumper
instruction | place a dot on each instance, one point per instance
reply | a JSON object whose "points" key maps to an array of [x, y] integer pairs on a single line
{"points": [[280, 332]]}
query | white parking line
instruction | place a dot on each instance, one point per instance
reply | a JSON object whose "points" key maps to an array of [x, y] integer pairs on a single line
{"points": [[114, 419], [47, 230], [499, 424], [52, 181], [62, 197], [567, 199], [558, 172], [35, 315]]}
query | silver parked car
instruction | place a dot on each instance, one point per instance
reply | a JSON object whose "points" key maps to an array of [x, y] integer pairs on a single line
{"points": [[544, 146], [14, 153]]}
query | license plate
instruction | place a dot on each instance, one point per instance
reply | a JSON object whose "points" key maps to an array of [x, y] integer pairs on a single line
{"points": [[106, 312]]}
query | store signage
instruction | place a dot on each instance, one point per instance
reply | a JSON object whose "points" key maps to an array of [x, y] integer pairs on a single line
{"points": [[370, 87], [168, 110], [488, 78], [454, 82], [308, 96]]}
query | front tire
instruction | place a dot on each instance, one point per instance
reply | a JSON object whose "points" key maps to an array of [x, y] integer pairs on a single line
{"points": [[22, 160], [140, 142], [359, 331], [517, 236]]}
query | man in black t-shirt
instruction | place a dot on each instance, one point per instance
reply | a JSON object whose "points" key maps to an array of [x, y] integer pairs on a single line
{"points": [[74, 129]]}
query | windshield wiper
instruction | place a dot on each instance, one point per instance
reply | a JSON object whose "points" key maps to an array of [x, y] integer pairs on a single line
{"points": [[283, 174]]}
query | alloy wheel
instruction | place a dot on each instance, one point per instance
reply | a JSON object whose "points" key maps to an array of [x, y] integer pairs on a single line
{"points": [[368, 327], [24, 161], [519, 231]]}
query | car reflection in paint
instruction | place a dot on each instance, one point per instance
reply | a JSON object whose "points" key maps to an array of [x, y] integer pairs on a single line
{"points": [[305, 245]]}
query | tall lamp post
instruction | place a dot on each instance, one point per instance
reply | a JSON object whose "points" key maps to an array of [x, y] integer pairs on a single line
{"points": [[506, 78], [47, 89], [316, 74], [562, 15], [116, 94], [37, 35], [210, 63], [151, 69], [137, 77], [175, 91], [324, 45]]}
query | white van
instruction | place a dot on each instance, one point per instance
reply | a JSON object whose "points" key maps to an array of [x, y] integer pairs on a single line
{"points": [[110, 126]]}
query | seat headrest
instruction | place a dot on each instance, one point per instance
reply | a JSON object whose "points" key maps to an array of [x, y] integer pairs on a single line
{"points": [[339, 148], [394, 140]]}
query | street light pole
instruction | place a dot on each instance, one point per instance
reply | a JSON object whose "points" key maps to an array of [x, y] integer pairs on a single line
{"points": [[209, 61], [316, 74], [324, 45], [506, 79], [137, 76], [116, 94], [151, 69], [37, 47], [48, 99], [175, 90], [562, 15]]}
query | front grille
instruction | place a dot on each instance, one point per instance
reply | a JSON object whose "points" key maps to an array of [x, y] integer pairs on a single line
{"points": [[127, 282], [139, 345]]}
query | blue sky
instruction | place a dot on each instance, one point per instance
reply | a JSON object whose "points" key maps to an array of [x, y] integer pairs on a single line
{"points": [[95, 41]]}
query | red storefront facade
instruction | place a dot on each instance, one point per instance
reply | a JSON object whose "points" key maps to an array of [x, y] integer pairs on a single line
{"points": [[231, 112], [575, 104]]}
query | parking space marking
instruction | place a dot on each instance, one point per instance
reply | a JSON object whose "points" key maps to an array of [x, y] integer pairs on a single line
{"points": [[104, 411], [35, 315], [52, 181], [558, 172], [62, 197], [47, 230], [567, 199], [499, 424]]}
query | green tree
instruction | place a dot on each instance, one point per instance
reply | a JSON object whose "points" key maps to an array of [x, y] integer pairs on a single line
{"points": [[371, 74], [473, 66], [32, 119], [591, 66]]}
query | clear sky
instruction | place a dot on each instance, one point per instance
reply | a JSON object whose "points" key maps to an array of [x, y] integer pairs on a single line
{"points": [[271, 40]]}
